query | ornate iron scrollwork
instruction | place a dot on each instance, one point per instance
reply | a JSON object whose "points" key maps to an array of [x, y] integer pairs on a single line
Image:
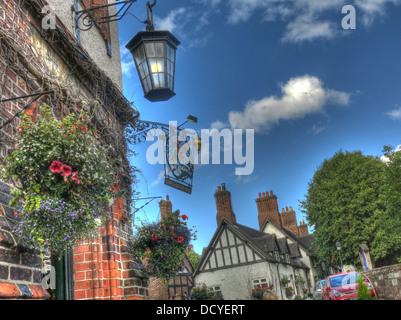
{"points": [[88, 19], [178, 175]]}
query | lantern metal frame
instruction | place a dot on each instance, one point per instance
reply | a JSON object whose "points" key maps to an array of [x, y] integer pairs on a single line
{"points": [[154, 54]]}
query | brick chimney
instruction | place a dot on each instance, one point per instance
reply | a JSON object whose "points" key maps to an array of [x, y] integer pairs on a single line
{"points": [[303, 229], [289, 219], [223, 205], [267, 208], [166, 208]]}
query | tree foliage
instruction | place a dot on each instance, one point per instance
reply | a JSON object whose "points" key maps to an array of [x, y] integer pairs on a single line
{"points": [[345, 203]]}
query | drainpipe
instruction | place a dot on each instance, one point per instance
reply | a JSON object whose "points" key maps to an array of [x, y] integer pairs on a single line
{"points": [[279, 283]]}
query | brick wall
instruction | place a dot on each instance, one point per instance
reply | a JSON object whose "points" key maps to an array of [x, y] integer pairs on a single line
{"points": [[387, 281], [103, 269], [267, 208], [20, 267]]}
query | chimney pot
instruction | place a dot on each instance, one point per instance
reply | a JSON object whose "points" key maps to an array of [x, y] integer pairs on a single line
{"points": [[167, 198], [218, 188], [223, 185], [260, 195], [286, 208], [291, 209], [264, 195], [271, 193]]}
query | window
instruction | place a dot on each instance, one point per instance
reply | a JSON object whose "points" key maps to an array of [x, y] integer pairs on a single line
{"points": [[214, 289], [260, 283], [287, 257], [276, 256]]}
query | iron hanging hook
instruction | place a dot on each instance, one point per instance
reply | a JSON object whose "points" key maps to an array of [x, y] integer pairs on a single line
{"points": [[150, 26]]}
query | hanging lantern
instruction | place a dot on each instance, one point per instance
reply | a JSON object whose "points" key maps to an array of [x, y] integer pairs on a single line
{"points": [[154, 54]]}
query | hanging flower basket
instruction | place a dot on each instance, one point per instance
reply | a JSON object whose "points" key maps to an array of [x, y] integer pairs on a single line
{"points": [[258, 292], [63, 177], [284, 281], [289, 291], [162, 245]]}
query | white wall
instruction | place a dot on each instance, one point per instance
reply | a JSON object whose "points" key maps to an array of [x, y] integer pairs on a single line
{"points": [[236, 283], [92, 40]]}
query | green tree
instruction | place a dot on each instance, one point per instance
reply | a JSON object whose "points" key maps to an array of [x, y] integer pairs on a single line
{"points": [[194, 258], [343, 203], [391, 191]]}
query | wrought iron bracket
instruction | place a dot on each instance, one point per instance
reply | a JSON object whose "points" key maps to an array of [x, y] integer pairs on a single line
{"points": [[177, 175], [88, 20], [36, 97]]}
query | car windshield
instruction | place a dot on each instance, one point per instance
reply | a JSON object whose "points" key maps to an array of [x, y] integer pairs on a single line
{"points": [[343, 280]]}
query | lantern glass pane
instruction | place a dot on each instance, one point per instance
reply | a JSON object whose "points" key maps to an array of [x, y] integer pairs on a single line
{"points": [[142, 71], [156, 80], [170, 53], [162, 79], [139, 55], [150, 49], [147, 84], [159, 48]]}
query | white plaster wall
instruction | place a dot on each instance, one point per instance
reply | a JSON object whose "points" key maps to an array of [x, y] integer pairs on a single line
{"points": [[92, 40], [236, 283]]}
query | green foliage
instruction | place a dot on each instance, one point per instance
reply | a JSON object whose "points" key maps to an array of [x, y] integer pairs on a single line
{"points": [[343, 203], [194, 258], [63, 176], [391, 191], [203, 293], [363, 291], [162, 245], [258, 292], [200, 293]]}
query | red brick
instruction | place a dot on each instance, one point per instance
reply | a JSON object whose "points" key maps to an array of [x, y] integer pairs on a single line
{"points": [[83, 285], [38, 292], [8, 290]]}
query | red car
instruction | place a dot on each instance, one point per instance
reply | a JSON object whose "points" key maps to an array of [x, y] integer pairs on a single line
{"points": [[344, 286]]}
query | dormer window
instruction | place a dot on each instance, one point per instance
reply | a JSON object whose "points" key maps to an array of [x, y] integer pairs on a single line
{"points": [[276, 256], [287, 257]]}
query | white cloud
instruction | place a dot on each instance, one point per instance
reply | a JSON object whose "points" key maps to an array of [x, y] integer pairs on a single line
{"points": [[172, 22], [395, 114], [373, 9], [159, 179], [187, 25], [307, 19], [219, 125], [300, 96], [386, 159], [127, 62], [316, 129]]}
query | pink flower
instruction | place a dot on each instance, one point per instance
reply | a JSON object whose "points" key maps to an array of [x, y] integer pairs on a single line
{"points": [[191, 247], [15, 213], [74, 177], [67, 171], [180, 239], [56, 166]]}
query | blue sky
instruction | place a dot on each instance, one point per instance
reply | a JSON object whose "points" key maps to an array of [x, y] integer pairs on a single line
{"points": [[286, 69]]}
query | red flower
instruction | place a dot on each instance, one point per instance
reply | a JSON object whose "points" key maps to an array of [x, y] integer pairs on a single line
{"points": [[74, 177], [184, 217], [20, 128], [191, 247], [15, 213], [67, 171], [180, 239], [56, 166]]}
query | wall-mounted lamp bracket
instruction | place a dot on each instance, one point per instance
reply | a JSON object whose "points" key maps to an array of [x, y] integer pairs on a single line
{"points": [[35, 96], [88, 20]]}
